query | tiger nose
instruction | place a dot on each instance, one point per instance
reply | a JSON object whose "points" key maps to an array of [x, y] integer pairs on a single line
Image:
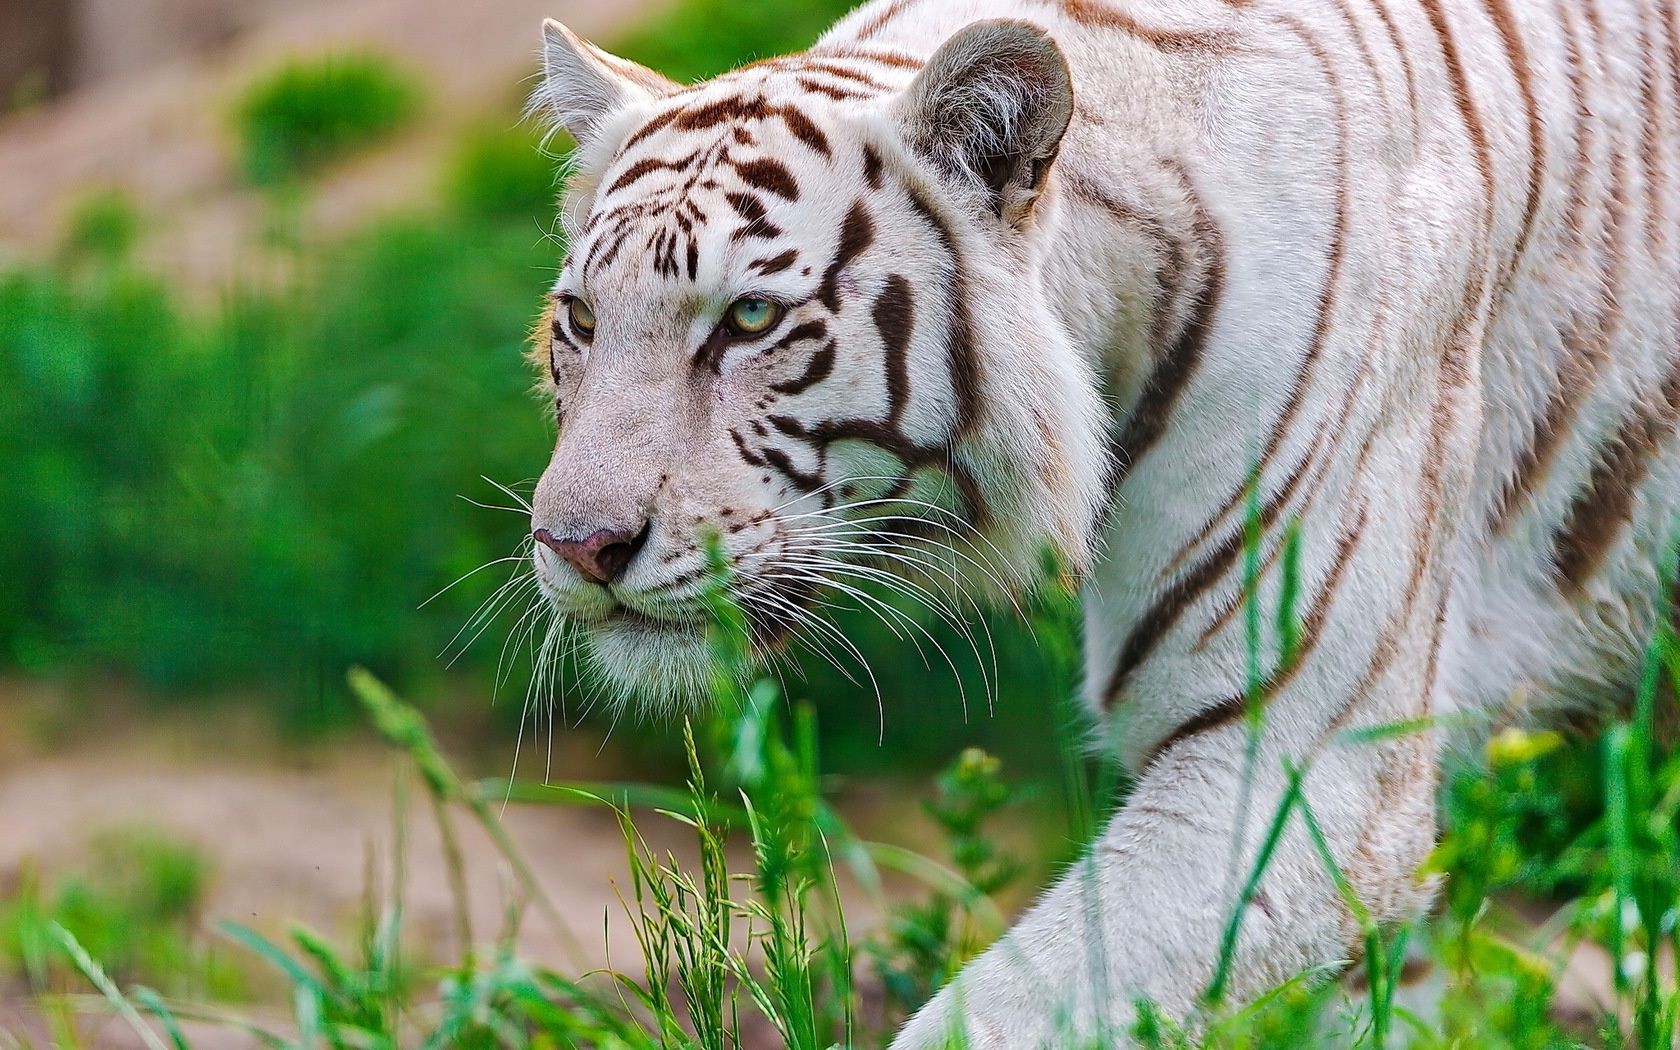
{"points": [[600, 557]]}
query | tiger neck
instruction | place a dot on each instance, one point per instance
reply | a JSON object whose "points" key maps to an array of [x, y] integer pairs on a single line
{"points": [[1143, 304]]}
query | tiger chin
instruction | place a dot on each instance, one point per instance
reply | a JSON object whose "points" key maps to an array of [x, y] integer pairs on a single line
{"points": [[1376, 296]]}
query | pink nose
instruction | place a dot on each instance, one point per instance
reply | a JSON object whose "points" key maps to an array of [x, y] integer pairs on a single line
{"points": [[600, 557]]}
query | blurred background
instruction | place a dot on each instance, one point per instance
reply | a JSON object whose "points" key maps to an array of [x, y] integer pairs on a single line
{"points": [[266, 273]]}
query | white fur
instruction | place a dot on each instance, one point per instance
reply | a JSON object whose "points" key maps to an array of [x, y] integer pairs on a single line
{"points": [[1264, 134]]}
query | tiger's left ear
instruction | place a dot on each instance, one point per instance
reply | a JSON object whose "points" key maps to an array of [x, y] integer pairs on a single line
{"points": [[989, 110], [583, 86]]}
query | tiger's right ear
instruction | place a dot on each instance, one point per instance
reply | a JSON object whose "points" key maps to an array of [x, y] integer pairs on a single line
{"points": [[989, 109], [583, 86]]}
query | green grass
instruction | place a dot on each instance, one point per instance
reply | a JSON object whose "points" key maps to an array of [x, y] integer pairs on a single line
{"points": [[312, 111]]}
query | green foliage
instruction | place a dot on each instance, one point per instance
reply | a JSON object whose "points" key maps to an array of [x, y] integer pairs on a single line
{"points": [[312, 111], [927, 942], [263, 493], [729, 952], [103, 226], [500, 174]]}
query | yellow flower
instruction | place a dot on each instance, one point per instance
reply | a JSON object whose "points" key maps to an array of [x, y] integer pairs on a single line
{"points": [[1513, 746]]}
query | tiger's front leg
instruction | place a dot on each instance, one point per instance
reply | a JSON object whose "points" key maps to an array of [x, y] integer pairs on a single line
{"points": [[1142, 917]]}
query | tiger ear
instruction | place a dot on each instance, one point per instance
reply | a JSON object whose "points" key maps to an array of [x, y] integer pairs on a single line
{"points": [[583, 86], [989, 110]]}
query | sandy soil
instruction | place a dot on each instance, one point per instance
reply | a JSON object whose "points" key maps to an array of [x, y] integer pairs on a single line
{"points": [[290, 830]]}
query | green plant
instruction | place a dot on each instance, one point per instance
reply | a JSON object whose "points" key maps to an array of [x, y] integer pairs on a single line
{"points": [[927, 942], [103, 226], [728, 952], [311, 111]]}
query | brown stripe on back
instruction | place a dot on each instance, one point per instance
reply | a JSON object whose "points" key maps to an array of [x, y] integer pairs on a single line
{"points": [[1176, 364], [1368, 56], [1099, 13], [804, 130], [717, 111], [1399, 43], [735, 107], [1460, 83], [770, 175], [1349, 399], [1516, 55], [1587, 337], [1604, 506], [1315, 484], [840, 72], [887, 57], [1580, 166], [1671, 32], [1586, 347], [1387, 648], [647, 166], [653, 125], [747, 206], [817, 87], [1227, 610], [1651, 136], [881, 19]]}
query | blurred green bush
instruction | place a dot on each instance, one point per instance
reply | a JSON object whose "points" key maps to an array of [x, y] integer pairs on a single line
{"points": [[314, 110], [264, 492], [135, 909], [702, 38]]}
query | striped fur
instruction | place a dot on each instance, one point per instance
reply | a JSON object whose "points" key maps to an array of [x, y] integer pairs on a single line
{"points": [[1404, 269]]}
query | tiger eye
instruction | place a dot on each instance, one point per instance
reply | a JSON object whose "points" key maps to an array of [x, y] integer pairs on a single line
{"points": [[753, 316], [583, 318]]}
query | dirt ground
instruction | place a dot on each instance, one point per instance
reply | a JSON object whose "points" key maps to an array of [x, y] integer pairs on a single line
{"points": [[290, 830]]}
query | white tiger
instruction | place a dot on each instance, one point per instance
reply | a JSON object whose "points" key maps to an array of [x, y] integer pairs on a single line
{"points": [[1066, 271]]}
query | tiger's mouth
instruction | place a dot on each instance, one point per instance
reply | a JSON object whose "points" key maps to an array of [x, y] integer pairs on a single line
{"points": [[667, 657], [628, 618]]}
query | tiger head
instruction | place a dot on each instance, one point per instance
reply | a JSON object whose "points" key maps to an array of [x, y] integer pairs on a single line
{"points": [[800, 321]]}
